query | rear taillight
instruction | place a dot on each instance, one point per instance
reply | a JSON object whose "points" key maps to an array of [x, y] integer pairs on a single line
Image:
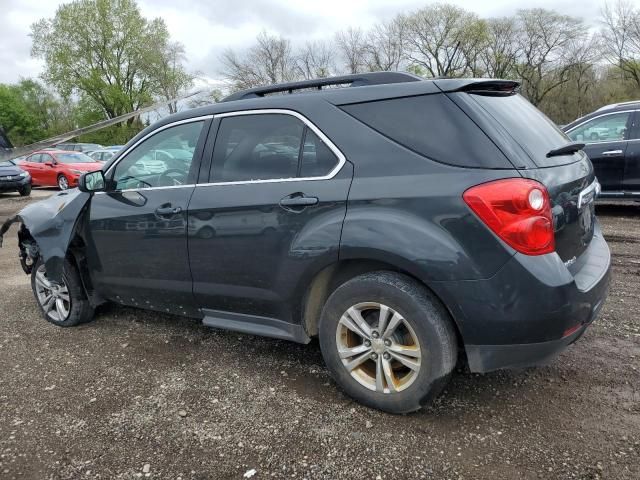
{"points": [[518, 211]]}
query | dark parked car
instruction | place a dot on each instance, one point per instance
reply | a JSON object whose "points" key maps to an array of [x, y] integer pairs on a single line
{"points": [[408, 224], [14, 179], [612, 138]]}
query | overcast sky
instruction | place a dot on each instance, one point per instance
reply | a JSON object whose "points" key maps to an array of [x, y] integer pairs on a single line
{"points": [[207, 27]]}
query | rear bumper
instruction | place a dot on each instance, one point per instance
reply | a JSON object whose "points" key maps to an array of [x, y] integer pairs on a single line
{"points": [[486, 358], [531, 309]]}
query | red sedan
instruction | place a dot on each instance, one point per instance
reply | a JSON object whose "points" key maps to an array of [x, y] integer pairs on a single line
{"points": [[50, 168]]}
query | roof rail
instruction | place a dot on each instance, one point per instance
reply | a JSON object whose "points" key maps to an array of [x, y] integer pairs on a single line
{"points": [[356, 80], [615, 105]]}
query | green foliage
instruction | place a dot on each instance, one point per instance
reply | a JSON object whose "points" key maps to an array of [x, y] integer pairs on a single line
{"points": [[107, 51], [19, 126], [87, 112], [28, 112]]}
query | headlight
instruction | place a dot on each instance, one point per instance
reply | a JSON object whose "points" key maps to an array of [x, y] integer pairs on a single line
{"points": [[79, 172], [24, 175]]}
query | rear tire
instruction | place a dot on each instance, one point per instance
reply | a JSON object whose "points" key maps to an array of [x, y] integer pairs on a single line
{"points": [[399, 369], [25, 191], [63, 182], [69, 305]]}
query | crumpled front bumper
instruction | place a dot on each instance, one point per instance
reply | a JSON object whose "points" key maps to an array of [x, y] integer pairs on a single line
{"points": [[51, 223]]}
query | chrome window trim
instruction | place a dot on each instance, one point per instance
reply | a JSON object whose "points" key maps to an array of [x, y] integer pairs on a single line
{"points": [[341, 158], [600, 116], [282, 111]]}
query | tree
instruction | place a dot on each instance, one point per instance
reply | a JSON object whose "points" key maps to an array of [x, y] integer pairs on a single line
{"points": [[170, 77], [87, 112], [543, 40], [444, 40], [105, 50], [352, 48], [20, 125], [271, 60], [315, 60], [384, 46], [207, 97], [30, 112], [501, 49], [621, 34]]}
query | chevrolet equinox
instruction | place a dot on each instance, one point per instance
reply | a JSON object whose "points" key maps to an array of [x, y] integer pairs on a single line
{"points": [[408, 224]]}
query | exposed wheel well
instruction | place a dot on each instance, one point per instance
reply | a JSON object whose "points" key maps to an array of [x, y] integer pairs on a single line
{"points": [[338, 273]]}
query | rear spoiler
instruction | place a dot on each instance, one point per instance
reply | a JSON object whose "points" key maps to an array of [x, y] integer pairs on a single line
{"points": [[478, 86]]}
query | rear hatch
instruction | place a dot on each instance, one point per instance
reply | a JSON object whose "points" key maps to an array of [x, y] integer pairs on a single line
{"points": [[527, 136]]}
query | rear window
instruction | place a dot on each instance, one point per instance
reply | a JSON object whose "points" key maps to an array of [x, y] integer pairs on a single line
{"points": [[528, 126], [432, 126]]}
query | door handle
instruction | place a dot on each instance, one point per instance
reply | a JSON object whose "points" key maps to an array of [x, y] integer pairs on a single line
{"points": [[612, 153], [297, 202], [166, 210]]}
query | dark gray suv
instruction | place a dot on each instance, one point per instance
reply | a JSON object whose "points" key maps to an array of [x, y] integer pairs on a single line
{"points": [[408, 224]]}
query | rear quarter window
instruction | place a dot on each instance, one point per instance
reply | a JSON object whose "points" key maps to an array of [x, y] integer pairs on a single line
{"points": [[432, 126]]}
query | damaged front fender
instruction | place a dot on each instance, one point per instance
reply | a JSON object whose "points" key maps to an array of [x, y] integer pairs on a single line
{"points": [[52, 224]]}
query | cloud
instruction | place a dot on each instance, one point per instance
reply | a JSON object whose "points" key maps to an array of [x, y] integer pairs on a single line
{"points": [[207, 28], [15, 43]]}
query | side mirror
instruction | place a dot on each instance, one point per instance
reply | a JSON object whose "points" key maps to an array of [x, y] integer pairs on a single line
{"points": [[92, 182]]}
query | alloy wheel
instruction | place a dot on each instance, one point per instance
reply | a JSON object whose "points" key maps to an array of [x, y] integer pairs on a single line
{"points": [[54, 298], [63, 183], [378, 347]]}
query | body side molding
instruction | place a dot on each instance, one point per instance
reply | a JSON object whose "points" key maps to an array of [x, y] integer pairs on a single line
{"points": [[255, 325]]}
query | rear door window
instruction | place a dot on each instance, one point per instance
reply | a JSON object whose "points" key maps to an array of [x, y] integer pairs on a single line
{"points": [[634, 131], [432, 126], [257, 147], [317, 159], [528, 126]]}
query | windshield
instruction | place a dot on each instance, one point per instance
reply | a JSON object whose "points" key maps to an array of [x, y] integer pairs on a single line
{"points": [[73, 158], [528, 126], [7, 163]]}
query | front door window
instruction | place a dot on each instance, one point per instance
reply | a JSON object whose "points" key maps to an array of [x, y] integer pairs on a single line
{"points": [[163, 160], [608, 128]]}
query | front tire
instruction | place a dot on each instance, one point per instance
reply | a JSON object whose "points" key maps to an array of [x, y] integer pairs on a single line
{"points": [[388, 341], [63, 182], [25, 191], [64, 304]]}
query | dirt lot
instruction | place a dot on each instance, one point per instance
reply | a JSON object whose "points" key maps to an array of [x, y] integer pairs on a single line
{"points": [[138, 394]]}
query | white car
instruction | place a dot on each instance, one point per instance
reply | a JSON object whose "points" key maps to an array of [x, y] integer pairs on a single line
{"points": [[102, 155]]}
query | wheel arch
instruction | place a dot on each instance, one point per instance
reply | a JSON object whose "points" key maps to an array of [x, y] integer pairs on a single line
{"points": [[332, 276]]}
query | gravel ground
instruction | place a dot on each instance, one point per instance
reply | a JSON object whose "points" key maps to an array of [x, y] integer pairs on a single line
{"points": [[139, 394]]}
